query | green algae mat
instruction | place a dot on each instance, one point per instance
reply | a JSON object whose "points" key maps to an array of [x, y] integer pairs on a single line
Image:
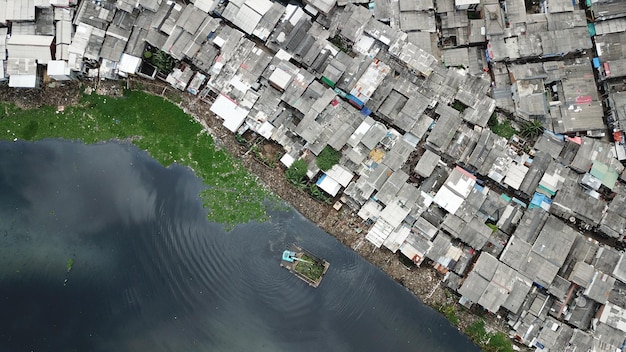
{"points": [[169, 135]]}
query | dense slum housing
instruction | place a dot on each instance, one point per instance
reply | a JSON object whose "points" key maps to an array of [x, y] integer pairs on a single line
{"points": [[405, 91]]}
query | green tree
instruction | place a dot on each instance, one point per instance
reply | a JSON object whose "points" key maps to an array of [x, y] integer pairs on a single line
{"points": [[327, 158], [163, 61], [457, 105], [296, 172], [532, 129]]}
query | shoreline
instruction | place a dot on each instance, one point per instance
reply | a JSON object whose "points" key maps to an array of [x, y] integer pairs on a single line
{"points": [[424, 282]]}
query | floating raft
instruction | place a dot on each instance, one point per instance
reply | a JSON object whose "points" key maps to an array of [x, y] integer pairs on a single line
{"points": [[304, 265]]}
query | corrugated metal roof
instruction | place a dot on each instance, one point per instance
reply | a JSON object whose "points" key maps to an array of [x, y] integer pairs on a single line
{"points": [[20, 10], [33, 40], [63, 32], [3, 14], [30, 47], [205, 5], [323, 5], [379, 232], [3, 41], [129, 64], [396, 238], [515, 175], [22, 72], [260, 6], [247, 19]]}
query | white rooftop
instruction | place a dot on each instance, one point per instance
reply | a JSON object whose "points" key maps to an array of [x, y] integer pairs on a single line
{"points": [[340, 174], [328, 185], [30, 47], [230, 111], [58, 68], [280, 78], [129, 64]]}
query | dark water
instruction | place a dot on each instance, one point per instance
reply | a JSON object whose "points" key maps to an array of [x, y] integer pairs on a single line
{"points": [[151, 274]]}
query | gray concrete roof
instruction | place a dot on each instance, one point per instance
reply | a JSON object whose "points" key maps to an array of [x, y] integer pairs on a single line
{"points": [[515, 253], [499, 288], [559, 287], [472, 204], [607, 338], [474, 233], [565, 40], [416, 5], [516, 11], [611, 26], [445, 127], [473, 287], [589, 151], [566, 20], [398, 154], [415, 106], [421, 126], [427, 163], [555, 241], [606, 259], [541, 161], [374, 135], [414, 21], [600, 287], [604, 10], [551, 144], [531, 224], [463, 143], [582, 274], [560, 6], [391, 187]]}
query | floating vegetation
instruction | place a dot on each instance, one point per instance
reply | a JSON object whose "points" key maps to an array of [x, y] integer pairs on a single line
{"points": [[70, 263], [232, 196], [310, 267]]}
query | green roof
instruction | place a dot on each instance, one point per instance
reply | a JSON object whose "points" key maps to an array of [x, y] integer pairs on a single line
{"points": [[546, 189], [604, 173]]}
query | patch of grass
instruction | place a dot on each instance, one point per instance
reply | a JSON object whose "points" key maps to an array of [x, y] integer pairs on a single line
{"points": [[493, 227], [450, 313], [502, 129], [153, 124], [497, 342]]}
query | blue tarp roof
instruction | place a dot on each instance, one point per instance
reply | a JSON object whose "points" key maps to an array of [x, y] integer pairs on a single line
{"points": [[596, 62], [540, 200]]}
